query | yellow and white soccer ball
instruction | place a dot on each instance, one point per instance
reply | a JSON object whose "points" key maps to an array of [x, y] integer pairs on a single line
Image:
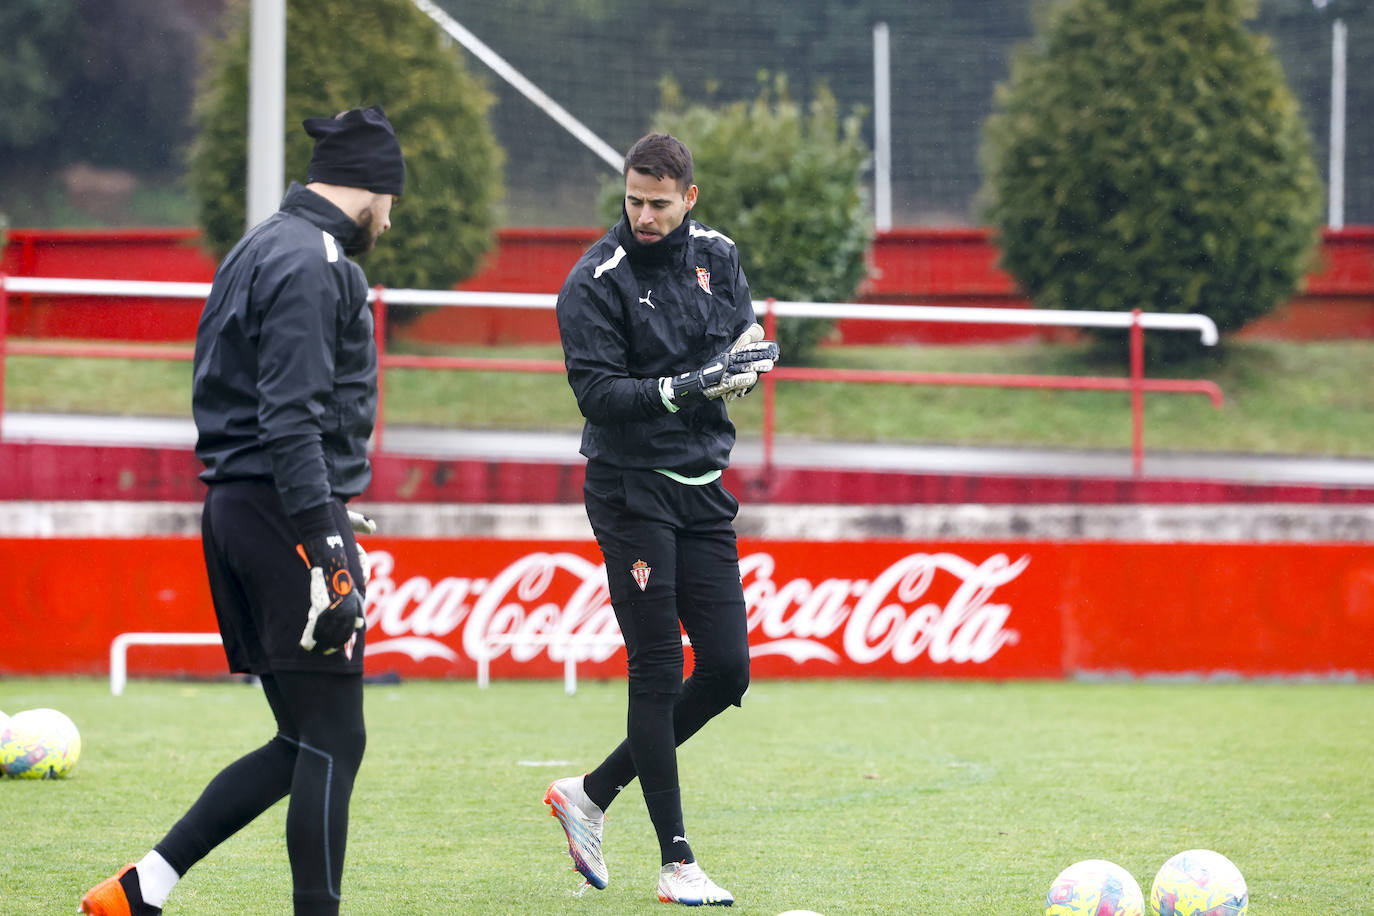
{"points": [[1094, 887], [1199, 882], [39, 744]]}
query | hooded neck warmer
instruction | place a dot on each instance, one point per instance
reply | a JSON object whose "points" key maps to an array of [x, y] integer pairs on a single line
{"points": [[655, 253]]}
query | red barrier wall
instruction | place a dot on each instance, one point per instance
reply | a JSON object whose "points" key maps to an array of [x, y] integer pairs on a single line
{"points": [[923, 266], [870, 608], [40, 471]]}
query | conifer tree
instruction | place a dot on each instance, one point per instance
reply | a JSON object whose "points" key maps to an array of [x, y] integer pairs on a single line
{"points": [[354, 55], [1148, 154]]}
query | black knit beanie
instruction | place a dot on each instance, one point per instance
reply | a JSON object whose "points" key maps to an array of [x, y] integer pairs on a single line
{"points": [[357, 149]]}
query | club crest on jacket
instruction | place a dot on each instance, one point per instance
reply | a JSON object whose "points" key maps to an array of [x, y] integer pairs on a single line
{"points": [[704, 279]]}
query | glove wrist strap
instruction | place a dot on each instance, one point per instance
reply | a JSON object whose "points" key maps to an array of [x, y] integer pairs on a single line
{"points": [[315, 522], [665, 391]]}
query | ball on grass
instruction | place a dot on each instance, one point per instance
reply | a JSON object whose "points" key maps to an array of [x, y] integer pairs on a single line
{"points": [[1094, 887], [39, 744], [1199, 882]]}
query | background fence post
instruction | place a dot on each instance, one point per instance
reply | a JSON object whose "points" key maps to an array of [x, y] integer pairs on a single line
{"points": [[4, 332], [379, 332], [770, 323], [1137, 395]]}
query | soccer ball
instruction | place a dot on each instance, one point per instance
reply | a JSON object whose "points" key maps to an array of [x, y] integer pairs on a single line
{"points": [[1199, 882], [1094, 887], [39, 744]]}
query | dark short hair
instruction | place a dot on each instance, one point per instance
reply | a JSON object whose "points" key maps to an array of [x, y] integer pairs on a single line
{"points": [[662, 156]]}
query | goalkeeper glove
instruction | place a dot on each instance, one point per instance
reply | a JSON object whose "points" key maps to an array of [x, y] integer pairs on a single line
{"points": [[362, 524], [730, 374], [336, 605]]}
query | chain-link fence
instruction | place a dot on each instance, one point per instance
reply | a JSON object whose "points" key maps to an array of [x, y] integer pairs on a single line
{"points": [[602, 60]]}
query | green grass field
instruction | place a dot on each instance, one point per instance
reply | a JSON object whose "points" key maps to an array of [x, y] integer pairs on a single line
{"points": [[1281, 398], [843, 797]]}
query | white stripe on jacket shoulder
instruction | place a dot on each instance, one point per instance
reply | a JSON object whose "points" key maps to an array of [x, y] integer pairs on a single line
{"points": [[701, 232]]}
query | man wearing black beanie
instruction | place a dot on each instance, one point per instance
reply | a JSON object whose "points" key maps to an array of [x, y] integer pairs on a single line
{"points": [[284, 395]]}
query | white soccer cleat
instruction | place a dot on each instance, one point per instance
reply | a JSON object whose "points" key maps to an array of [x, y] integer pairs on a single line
{"points": [[582, 821], [686, 883]]}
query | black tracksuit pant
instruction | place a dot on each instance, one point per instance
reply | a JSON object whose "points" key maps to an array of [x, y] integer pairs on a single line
{"points": [[671, 561], [260, 587]]}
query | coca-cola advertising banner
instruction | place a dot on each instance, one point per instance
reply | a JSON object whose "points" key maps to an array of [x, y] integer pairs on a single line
{"points": [[815, 609]]}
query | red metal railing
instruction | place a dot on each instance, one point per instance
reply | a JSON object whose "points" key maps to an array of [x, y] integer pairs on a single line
{"points": [[1136, 383], [1135, 323]]}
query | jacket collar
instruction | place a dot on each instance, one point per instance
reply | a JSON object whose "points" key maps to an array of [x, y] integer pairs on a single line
{"points": [[664, 251], [301, 201]]}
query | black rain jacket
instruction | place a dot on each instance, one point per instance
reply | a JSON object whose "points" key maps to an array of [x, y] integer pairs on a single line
{"points": [[285, 377], [629, 314]]}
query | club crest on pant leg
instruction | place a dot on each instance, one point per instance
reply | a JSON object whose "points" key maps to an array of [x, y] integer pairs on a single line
{"points": [[640, 570]]}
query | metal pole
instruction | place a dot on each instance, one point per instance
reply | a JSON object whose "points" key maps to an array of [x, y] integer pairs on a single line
{"points": [[4, 330], [266, 110], [1336, 185], [483, 52], [1137, 395], [770, 324], [379, 334], [882, 131]]}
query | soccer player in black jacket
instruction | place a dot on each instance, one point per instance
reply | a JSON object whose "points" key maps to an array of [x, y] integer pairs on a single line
{"points": [[284, 395], [658, 335]]}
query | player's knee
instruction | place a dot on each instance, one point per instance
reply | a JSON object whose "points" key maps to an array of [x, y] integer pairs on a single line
{"points": [[729, 664], [343, 744], [663, 679], [352, 744], [738, 684], [731, 680]]}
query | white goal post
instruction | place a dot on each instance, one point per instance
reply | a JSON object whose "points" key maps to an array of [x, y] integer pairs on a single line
{"points": [[119, 651]]}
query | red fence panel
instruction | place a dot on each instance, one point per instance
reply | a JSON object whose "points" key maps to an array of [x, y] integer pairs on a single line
{"points": [[909, 266]]}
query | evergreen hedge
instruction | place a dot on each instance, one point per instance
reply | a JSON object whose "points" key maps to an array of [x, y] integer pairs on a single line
{"points": [[786, 184], [339, 57], [1148, 154]]}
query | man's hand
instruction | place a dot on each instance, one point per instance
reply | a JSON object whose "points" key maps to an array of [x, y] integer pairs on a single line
{"points": [[336, 607], [731, 374]]}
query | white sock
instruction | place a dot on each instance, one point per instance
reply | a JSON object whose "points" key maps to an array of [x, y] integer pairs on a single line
{"points": [[156, 879]]}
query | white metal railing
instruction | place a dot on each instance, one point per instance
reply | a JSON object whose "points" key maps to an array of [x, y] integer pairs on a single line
{"points": [[1150, 321], [1135, 322]]}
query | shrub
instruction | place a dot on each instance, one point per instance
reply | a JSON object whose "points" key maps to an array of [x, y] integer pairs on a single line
{"points": [[369, 52], [786, 185], [1147, 153], [32, 78]]}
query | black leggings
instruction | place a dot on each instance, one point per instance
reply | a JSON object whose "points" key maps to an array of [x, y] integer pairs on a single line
{"points": [[314, 758], [672, 564]]}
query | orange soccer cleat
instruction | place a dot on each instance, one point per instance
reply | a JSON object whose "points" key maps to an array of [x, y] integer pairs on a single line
{"points": [[118, 896]]}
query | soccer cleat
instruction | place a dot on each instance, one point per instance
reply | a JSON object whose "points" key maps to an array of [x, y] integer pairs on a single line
{"points": [[686, 883], [582, 821], [118, 896]]}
